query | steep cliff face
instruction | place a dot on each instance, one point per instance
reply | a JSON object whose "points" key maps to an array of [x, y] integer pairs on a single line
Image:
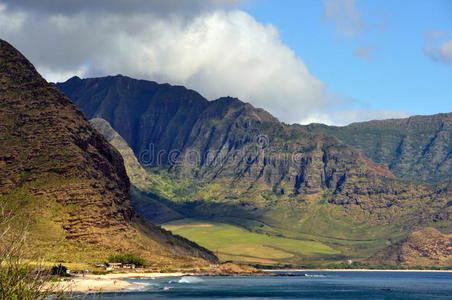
{"points": [[135, 171], [227, 160], [418, 148], [63, 178], [426, 247], [154, 115], [143, 182], [179, 129]]}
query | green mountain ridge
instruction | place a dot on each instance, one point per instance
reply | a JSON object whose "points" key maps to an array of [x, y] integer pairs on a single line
{"points": [[64, 181], [229, 162], [418, 148]]}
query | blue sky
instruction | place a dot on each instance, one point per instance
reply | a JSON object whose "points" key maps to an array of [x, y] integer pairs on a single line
{"points": [[397, 75]]}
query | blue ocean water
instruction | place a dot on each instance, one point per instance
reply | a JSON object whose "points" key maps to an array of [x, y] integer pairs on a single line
{"points": [[317, 285]]}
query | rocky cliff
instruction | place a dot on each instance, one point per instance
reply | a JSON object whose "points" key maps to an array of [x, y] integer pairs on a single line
{"points": [[143, 182], [231, 161], [418, 148], [65, 181], [426, 247]]}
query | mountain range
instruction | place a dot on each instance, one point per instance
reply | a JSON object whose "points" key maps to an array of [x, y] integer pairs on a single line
{"points": [[355, 189], [416, 148], [223, 173]]}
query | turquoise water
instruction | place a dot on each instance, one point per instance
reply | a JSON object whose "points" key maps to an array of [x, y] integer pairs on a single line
{"points": [[318, 285]]}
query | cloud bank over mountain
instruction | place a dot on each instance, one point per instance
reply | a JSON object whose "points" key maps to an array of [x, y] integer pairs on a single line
{"points": [[210, 46]]}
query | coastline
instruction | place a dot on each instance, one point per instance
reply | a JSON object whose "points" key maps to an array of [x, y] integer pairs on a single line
{"points": [[107, 283], [351, 270], [115, 282]]}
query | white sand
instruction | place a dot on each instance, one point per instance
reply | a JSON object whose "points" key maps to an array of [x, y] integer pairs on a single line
{"points": [[106, 283]]}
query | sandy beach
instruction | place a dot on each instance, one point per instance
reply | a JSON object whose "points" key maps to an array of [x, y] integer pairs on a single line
{"points": [[106, 283], [115, 281]]}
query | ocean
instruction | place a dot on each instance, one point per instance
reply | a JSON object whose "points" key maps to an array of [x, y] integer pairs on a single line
{"points": [[316, 285]]}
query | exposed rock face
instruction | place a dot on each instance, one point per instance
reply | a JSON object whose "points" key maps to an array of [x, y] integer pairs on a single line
{"points": [[134, 170], [61, 172], [426, 247], [226, 160], [418, 148], [249, 152], [142, 112], [143, 182], [207, 135]]}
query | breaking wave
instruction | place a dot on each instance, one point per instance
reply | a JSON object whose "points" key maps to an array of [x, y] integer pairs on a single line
{"points": [[190, 279]]}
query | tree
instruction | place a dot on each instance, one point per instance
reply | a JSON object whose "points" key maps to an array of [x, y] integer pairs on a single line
{"points": [[19, 279], [127, 258]]}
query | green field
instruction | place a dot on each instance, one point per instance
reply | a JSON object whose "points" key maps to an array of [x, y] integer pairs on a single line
{"points": [[237, 244]]}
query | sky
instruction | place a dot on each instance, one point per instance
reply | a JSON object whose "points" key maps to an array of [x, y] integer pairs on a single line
{"points": [[384, 55], [328, 61]]}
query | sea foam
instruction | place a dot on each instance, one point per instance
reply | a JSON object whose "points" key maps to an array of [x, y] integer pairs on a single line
{"points": [[190, 279]]}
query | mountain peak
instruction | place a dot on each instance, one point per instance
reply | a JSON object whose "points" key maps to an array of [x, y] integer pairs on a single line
{"points": [[229, 100], [74, 78], [15, 65]]}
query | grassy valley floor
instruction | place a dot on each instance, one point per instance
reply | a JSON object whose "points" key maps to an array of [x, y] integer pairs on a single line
{"points": [[233, 243]]}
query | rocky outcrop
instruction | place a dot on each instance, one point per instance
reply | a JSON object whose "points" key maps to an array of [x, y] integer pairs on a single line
{"points": [[426, 247], [417, 148], [144, 113], [177, 128], [59, 173]]}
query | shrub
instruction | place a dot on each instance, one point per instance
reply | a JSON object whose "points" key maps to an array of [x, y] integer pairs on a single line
{"points": [[19, 279], [101, 272], [127, 258], [59, 270]]}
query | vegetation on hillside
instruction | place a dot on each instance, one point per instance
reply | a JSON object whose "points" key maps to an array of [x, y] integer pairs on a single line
{"points": [[232, 243], [19, 279], [227, 161], [416, 148], [127, 258], [67, 182]]}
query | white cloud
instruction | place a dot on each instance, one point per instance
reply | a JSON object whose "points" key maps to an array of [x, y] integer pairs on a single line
{"points": [[438, 45], [446, 50], [69, 7], [347, 116], [441, 52], [345, 15], [10, 22], [53, 75], [434, 34], [364, 52], [216, 52], [355, 23]]}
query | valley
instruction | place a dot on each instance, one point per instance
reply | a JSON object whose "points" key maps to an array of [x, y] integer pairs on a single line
{"points": [[166, 193], [225, 149], [233, 243]]}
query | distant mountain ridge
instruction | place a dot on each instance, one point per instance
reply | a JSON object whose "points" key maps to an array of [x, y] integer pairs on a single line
{"points": [[63, 179], [228, 160], [424, 247], [418, 148]]}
